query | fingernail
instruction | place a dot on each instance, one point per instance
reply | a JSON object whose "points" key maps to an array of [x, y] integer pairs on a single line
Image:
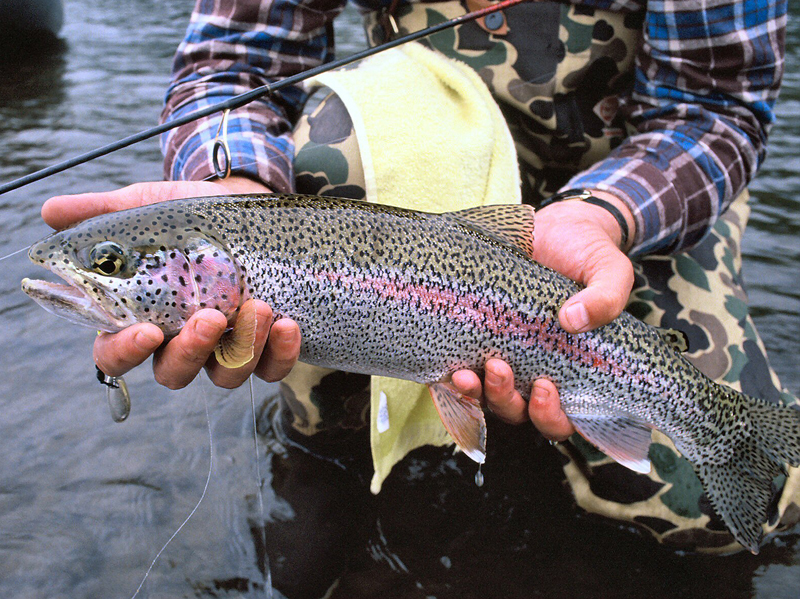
{"points": [[146, 340], [205, 330], [491, 378], [577, 316], [541, 394]]}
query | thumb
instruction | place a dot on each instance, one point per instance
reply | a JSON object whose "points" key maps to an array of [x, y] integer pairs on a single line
{"points": [[608, 276]]}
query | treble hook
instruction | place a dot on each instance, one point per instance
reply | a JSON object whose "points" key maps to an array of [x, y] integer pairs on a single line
{"points": [[221, 143]]}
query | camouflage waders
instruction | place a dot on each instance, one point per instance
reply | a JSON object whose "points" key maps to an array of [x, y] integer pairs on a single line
{"points": [[556, 77]]}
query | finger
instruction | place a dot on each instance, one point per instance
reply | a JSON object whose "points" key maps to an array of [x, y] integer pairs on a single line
{"points": [[467, 383], [545, 411], [282, 351], [608, 280], [178, 363], [501, 396], [117, 353], [61, 211], [230, 378]]}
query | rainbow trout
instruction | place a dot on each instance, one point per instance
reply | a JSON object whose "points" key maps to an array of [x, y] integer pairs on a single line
{"points": [[387, 291]]}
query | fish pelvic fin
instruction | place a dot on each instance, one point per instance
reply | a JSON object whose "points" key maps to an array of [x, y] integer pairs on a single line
{"points": [[463, 418], [742, 487], [236, 346], [625, 440]]}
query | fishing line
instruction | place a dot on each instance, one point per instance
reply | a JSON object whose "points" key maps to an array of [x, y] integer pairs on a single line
{"points": [[199, 501], [247, 97], [25, 249], [260, 494]]}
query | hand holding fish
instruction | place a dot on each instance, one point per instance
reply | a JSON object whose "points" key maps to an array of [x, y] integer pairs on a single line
{"points": [[178, 362], [582, 242]]}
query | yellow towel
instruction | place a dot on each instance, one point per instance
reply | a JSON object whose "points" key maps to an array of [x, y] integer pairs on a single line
{"points": [[431, 138]]}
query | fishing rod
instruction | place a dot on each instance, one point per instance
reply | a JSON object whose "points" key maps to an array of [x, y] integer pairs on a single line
{"points": [[247, 97]]}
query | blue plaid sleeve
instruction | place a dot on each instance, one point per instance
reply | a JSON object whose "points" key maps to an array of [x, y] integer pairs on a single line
{"points": [[233, 46], [707, 77]]}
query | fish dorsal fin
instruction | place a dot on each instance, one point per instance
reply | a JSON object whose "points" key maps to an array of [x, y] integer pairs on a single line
{"points": [[462, 416], [675, 338], [511, 224], [620, 438], [236, 347]]}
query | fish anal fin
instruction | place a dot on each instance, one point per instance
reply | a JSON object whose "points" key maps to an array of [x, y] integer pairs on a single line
{"points": [[463, 418], [511, 224], [236, 347], [675, 338], [620, 438]]}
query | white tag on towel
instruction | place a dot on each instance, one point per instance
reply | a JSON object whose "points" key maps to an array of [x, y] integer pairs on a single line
{"points": [[383, 414]]}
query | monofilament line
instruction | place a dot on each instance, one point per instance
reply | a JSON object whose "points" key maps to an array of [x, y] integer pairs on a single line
{"points": [[25, 249], [260, 495], [199, 501]]}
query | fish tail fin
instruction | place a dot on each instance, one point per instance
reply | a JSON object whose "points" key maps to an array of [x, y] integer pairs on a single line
{"points": [[741, 487]]}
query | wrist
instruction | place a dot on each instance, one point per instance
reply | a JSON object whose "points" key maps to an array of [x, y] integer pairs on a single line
{"points": [[627, 216], [612, 214], [236, 184]]}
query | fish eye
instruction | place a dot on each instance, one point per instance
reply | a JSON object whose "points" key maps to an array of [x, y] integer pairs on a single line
{"points": [[107, 258]]}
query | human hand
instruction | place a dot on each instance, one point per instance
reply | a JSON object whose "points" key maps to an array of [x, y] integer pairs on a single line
{"points": [[177, 363], [581, 241]]}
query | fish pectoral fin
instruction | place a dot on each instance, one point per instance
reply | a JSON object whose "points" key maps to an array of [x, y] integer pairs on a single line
{"points": [[236, 347], [463, 418], [623, 439]]}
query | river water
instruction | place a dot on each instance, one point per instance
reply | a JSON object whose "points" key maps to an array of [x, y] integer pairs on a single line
{"points": [[85, 504]]}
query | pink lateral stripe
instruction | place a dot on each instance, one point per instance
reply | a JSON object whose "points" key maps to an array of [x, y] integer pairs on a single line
{"points": [[495, 317]]}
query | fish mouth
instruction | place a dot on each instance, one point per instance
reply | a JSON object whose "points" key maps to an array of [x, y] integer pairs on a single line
{"points": [[74, 304]]}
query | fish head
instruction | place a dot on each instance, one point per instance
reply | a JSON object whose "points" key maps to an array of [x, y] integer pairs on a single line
{"points": [[152, 264]]}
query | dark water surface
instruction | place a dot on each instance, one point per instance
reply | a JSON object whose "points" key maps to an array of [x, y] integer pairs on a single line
{"points": [[85, 503]]}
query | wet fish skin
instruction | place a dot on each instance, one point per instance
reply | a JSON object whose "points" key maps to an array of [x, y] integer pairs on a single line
{"points": [[392, 292]]}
